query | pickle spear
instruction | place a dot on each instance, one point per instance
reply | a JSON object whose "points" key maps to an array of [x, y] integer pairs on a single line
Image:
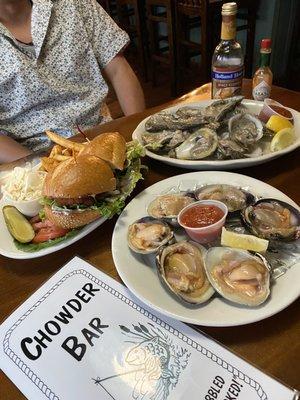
{"points": [[18, 226]]}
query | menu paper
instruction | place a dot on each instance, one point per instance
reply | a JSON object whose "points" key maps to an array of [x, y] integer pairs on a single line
{"points": [[83, 335]]}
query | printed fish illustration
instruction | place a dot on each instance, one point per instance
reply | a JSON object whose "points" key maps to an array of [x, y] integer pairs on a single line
{"points": [[156, 363], [153, 357]]}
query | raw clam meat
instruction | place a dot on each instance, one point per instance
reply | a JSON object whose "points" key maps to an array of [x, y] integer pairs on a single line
{"points": [[238, 276], [245, 129], [146, 235], [168, 206], [233, 197], [273, 219], [199, 144], [181, 268]]}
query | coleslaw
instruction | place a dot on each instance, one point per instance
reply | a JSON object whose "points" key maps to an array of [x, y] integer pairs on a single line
{"points": [[24, 183]]}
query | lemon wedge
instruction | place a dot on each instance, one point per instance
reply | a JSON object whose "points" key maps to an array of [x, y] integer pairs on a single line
{"points": [[276, 123], [241, 241], [282, 139]]}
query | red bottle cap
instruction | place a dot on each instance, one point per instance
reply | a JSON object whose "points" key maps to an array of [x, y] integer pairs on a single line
{"points": [[266, 44]]}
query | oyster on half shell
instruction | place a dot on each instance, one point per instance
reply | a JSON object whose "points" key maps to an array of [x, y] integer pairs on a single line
{"points": [[200, 144], [218, 109], [189, 111], [229, 149], [272, 219], [238, 276], [245, 129], [147, 234], [164, 140], [173, 121], [181, 268]]}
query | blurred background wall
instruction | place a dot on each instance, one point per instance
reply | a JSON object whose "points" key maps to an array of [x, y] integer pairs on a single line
{"points": [[169, 62]]}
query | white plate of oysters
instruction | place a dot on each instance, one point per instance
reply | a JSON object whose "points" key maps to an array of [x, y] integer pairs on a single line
{"points": [[211, 134], [149, 276]]}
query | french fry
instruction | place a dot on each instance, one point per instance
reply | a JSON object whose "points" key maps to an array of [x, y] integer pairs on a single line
{"points": [[66, 152], [74, 153], [56, 149], [64, 142], [49, 164], [60, 157]]}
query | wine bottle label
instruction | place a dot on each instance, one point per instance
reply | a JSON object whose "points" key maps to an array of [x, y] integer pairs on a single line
{"points": [[226, 81], [261, 91]]}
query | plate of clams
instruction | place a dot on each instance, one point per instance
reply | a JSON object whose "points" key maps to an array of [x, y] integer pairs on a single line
{"points": [[212, 134], [209, 283]]}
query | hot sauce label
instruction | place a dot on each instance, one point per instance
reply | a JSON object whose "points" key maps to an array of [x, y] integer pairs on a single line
{"points": [[226, 81], [261, 91]]}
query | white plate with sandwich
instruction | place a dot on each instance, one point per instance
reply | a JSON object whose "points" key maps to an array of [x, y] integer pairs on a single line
{"points": [[77, 196]]}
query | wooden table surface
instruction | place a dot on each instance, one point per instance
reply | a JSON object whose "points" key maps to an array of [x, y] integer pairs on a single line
{"points": [[272, 344]]}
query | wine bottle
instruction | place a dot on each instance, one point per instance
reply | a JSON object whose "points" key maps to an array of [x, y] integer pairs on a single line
{"points": [[228, 60]]}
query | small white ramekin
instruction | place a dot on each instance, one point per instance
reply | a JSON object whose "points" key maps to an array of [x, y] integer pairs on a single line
{"points": [[208, 233]]}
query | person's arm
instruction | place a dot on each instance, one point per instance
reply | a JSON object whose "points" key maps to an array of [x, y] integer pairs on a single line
{"points": [[10, 150], [126, 85]]}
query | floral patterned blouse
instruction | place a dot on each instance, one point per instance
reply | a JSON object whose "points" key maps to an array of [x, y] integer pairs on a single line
{"points": [[59, 84]]}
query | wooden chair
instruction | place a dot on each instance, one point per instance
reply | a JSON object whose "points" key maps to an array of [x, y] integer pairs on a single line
{"points": [[191, 14], [247, 11], [161, 20], [131, 17]]}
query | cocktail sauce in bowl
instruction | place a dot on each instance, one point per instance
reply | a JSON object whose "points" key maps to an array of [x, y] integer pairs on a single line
{"points": [[272, 107], [203, 220]]}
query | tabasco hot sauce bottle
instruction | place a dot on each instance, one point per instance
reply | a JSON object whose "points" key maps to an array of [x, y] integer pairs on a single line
{"points": [[228, 60], [263, 77]]}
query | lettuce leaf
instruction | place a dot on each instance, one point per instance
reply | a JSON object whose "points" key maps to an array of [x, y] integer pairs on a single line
{"points": [[126, 183], [45, 201], [154, 146], [134, 150], [42, 214], [110, 208]]}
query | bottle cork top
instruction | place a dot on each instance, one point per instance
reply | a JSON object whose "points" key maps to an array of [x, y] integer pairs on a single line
{"points": [[229, 9]]}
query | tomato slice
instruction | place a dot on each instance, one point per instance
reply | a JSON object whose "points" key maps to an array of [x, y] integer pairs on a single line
{"points": [[46, 230], [45, 234], [42, 224]]}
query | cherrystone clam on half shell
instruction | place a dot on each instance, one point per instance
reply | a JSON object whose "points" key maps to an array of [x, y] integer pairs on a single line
{"points": [[168, 206], [147, 235], [181, 268], [233, 197], [238, 275], [272, 219]]}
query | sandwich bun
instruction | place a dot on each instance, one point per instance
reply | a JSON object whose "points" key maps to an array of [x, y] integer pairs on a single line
{"points": [[75, 180], [72, 219], [78, 177], [110, 147]]}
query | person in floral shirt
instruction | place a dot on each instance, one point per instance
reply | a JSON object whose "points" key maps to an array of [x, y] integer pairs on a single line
{"points": [[54, 56]]}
